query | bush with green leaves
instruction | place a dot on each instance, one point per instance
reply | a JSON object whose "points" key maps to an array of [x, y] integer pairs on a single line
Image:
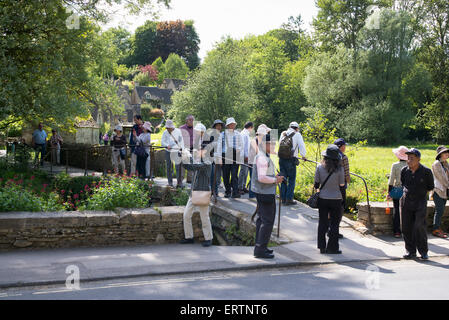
{"points": [[13, 197], [115, 192]]}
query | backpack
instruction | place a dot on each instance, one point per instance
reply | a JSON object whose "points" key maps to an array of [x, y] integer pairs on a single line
{"points": [[285, 146]]}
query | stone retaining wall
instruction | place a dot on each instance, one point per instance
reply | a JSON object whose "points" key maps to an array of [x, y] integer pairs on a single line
{"points": [[383, 223], [94, 228]]}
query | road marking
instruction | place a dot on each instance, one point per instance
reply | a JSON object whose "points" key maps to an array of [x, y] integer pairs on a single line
{"points": [[134, 284]]}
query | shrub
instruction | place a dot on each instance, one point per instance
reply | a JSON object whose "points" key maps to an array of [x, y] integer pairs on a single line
{"points": [[117, 192], [14, 197], [83, 186]]}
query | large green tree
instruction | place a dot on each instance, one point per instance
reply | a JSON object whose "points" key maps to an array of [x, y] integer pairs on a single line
{"points": [[220, 88], [339, 22]]}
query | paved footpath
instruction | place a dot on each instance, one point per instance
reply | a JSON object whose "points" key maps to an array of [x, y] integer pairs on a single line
{"points": [[298, 238]]}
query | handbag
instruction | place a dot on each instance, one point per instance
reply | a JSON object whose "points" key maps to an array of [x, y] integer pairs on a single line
{"points": [[141, 152], [396, 193], [201, 198], [313, 200]]}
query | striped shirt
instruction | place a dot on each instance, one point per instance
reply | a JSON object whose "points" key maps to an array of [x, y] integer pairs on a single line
{"points": [[345, 165]]}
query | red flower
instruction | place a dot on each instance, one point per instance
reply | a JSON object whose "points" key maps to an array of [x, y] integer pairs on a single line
{"points": [[32, 178], [62, 191], [76, 196]]}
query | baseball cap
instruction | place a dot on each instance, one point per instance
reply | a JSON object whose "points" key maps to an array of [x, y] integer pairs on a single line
{"points": [[415, 152], [340, 142]]}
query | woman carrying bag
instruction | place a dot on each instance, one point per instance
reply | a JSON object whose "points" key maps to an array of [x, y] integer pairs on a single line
{"points": [[395, 187], [329, 179], [200, 195], [143, 150]]}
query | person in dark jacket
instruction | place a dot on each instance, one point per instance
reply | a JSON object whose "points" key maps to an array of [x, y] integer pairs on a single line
{"points": [[330, 180], [201, 168], [417, 181]]}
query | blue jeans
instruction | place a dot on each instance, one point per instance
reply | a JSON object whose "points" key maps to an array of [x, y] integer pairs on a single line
{"points": [[288, 170], [440, 204]]}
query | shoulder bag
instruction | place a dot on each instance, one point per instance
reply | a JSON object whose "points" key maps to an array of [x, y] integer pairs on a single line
{"points": [[313, 200], [201, 198]]}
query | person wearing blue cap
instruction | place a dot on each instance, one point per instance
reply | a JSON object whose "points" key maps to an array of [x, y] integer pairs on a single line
{"points": [[417, 181]]}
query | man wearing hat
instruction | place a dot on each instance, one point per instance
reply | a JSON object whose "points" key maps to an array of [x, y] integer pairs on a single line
{"points": [[243, 174], [229, 155], [288, 163], [440, 169], [417, 181], [173, 142]]}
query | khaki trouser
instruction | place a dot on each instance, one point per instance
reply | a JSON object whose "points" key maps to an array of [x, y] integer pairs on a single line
{"points": [[205, 220], [117, 160]]}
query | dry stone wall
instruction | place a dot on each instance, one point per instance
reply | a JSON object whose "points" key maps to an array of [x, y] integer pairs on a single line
{"points": [[382, 223]]}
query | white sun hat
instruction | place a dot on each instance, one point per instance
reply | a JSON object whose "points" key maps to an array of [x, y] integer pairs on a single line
{"points": [[169, 124], [230, 121], [200, 127]]}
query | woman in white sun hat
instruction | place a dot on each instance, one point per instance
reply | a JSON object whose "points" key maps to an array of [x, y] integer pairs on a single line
{"points": [[143, 158], [172, 141]]}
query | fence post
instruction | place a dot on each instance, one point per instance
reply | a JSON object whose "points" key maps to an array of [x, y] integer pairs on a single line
{"points": [[67, 161], [85, 162], [51, 160]]}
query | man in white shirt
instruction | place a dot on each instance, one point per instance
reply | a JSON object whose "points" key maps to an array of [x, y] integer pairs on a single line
{"points": [[243, 175], [173, 142], [229, 154], [287, 163]]}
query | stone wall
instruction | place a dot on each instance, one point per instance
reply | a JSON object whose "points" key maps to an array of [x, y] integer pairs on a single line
{"points": [[94, 228], [383, 223]]}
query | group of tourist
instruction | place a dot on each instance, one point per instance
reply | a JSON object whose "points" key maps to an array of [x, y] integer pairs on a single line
{"points": [[39, 143], [225, 153]]}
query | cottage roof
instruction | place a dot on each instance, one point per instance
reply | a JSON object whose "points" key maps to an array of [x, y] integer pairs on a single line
{"points": [[163, 95]]}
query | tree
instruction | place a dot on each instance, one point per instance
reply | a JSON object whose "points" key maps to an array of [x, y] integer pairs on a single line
{"points": [[434, 53], [221, 88], [178, 37], [175, 67], [376, 98], [339, 22], [143, 42], [158, 64], [47, 72]]}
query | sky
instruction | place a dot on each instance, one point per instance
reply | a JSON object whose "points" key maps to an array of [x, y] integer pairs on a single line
{"points": [[214, 19]]}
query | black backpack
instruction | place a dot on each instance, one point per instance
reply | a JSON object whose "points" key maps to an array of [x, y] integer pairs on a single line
{"points": [[286, 145]]}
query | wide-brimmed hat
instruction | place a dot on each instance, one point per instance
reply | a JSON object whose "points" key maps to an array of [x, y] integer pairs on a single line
{"points": [[118, 128], [230, 121], [147, 125], [440, 151], [218, 121], [332, 152], [200, 127], [169, 124], [400, 152], [263, 129]]}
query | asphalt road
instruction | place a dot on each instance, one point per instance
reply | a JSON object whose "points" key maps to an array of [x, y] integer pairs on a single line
{"points": [[391, 280]]}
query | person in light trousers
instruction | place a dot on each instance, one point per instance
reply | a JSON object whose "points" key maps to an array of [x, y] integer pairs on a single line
{"points": [[172, 141], [201, 168]]}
